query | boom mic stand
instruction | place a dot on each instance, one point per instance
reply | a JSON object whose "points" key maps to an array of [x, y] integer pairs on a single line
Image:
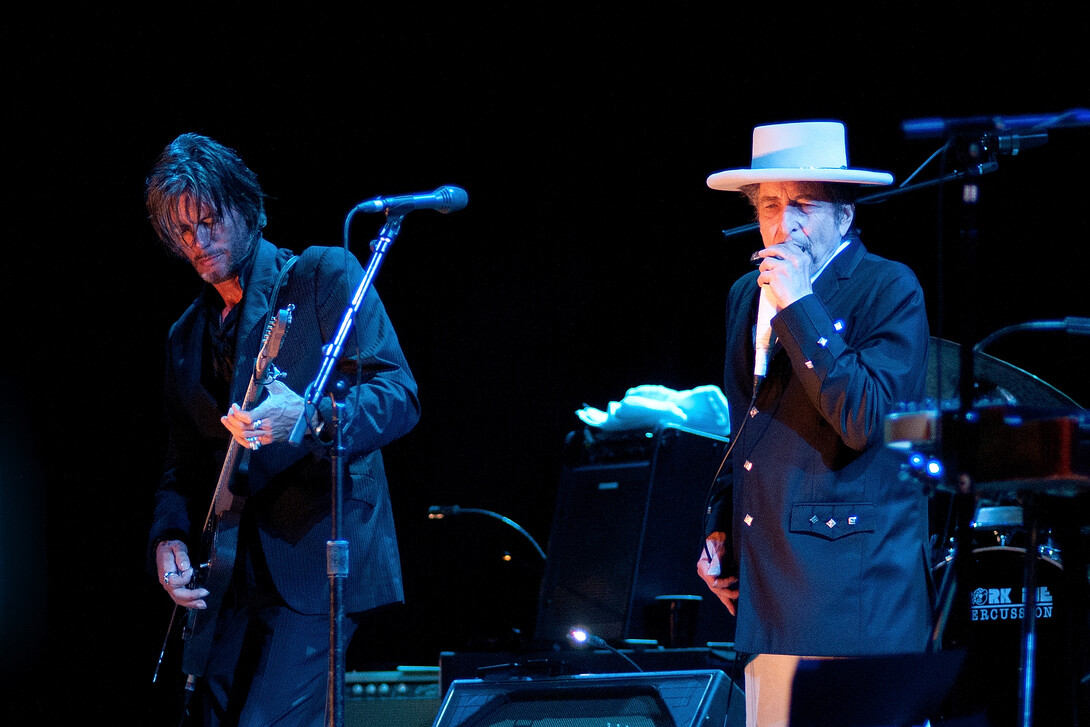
{"points": [[444, 199], [337, 547]]}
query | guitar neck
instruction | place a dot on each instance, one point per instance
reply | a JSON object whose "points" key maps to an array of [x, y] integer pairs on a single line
{"points": [[237, 455]]}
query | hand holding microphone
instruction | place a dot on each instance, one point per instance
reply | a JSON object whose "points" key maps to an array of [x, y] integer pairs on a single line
{"points": [[785, 268]]}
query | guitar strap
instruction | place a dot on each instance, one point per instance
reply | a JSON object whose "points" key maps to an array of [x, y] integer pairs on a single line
{"points": [[277, 287]]}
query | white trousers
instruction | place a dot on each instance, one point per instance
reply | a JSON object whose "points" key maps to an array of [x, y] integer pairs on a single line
{"points": [[768, 689], [769, 679]]}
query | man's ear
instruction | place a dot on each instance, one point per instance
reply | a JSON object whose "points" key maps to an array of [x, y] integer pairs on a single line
{"points": [[847, 216]]}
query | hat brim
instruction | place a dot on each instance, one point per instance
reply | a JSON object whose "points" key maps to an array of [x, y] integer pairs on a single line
{"points": [[732, 180]]}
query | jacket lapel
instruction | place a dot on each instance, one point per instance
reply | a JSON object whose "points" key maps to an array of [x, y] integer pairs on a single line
{"points": [[841, 268]]}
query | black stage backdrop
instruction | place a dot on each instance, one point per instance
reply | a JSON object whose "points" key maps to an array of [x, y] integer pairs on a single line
{"points": [[590, 258]]}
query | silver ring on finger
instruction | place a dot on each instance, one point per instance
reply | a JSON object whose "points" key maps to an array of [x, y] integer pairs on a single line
{"points": [[167, 575]]}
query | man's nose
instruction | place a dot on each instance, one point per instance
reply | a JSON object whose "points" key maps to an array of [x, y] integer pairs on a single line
{"points": [[790, 221], [197, 238]]}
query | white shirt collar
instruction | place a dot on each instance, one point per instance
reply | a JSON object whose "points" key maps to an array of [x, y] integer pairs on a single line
{"points": [[836, 252]]}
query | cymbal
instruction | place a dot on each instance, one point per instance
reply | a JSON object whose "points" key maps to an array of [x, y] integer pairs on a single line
{"points": [[996, 379], [1025, 434]]}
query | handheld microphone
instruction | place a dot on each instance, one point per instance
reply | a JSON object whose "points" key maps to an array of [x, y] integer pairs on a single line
{"points": [[763, 339], [444, 200]]}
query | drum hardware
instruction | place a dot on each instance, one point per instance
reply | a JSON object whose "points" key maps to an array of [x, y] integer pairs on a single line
{"points": [[1003, 521], [1000, 448], [994, 449], [1002, 526]]}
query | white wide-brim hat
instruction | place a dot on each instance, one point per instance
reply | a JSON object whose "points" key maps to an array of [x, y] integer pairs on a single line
{"points": [[804, 151]]}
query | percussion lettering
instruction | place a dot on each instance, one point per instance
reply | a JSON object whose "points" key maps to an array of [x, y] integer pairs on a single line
{"points": [[994, 604]]}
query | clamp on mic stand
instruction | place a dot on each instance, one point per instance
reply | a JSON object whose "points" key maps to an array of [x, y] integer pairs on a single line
{"points": [[337, 547]]}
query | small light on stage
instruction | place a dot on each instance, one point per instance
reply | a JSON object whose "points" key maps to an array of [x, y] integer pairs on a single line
{"points": [[578, 636], [934, 468], [507, 557], [917, 461]]}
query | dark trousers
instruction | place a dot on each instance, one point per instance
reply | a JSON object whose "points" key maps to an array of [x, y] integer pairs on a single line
{"points": [[269, 665]]}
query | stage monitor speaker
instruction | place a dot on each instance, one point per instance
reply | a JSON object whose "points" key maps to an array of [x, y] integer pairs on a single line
{"points": [[651, 699], [625, 532]]}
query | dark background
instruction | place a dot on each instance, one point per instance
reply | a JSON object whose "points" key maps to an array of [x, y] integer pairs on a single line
{"points": [[590, 258]]}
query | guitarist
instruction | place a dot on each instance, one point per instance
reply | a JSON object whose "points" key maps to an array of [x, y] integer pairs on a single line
{"points": [[268, 660]]}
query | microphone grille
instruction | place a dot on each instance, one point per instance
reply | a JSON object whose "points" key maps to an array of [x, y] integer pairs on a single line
{"points": [[455, 198]]}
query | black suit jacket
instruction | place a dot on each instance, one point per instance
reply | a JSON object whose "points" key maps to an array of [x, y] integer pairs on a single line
{"points": [[829, 542], [288, 488]]}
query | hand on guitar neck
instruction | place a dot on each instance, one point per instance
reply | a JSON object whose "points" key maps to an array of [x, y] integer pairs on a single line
{"points": [[175, 573]]}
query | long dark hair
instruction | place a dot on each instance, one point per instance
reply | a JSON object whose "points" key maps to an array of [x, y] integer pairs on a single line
{"points": [[210, 173]]}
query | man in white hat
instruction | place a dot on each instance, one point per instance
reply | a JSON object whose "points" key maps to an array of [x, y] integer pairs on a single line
{"points": [[813, 542]]}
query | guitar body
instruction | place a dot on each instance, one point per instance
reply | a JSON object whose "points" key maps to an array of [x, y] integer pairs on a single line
{"points": [[215, 575], [219, 539]]}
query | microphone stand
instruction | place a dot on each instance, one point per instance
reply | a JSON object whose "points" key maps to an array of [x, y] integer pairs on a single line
{"points": [[957, 436], [960, 436], [337, 547], [966, 440]]}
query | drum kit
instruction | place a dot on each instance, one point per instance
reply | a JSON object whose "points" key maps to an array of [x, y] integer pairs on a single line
{"points": [[1007, 467]]}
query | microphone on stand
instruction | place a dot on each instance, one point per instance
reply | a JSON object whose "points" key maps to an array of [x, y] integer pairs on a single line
{"points": [[1012, 144], [444, 200], [1003, 134]]}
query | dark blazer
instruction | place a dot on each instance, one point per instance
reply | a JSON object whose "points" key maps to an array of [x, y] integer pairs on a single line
{"points": [[830, 545], [289, 488]]}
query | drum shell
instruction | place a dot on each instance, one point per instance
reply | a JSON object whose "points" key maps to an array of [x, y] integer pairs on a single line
{"points": [[987, 621]]}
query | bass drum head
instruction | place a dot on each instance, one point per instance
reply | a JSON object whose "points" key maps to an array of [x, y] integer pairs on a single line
{"points": [[986, 622]]}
